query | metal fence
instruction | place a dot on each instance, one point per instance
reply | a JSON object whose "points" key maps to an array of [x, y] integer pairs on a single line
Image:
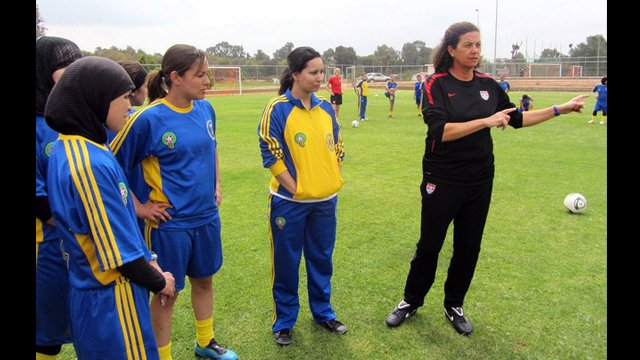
{"points": [[568, 67]]}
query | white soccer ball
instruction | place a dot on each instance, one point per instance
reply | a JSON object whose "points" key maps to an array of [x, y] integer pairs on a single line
{"points": [[355, 123], [576, 203]]}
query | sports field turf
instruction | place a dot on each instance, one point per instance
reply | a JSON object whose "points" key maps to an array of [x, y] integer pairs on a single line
{"points": [[540, 288]]}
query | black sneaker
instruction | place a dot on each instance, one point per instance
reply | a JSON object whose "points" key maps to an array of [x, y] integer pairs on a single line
{"points": [[283, 337], [335, 326], [458, 320], [400, 313]]}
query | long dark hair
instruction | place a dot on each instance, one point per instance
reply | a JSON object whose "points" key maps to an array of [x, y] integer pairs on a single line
{"points": [[178, 58], [442, 60], [296, 60]]}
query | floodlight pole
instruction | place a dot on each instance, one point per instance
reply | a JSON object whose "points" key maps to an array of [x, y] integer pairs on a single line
{"points": [[478, 18]]}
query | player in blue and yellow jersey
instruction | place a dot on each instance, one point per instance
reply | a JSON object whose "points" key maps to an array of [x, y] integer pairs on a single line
{"points": [[53, 55], [174, 138], [300, 143], [110, 272], [390, 92], [417, 93], [363, 93], [138, 96], [600, 92], [526, 103], [504, 84]]}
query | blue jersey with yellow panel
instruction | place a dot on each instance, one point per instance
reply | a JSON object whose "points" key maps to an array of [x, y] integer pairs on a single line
{"points": [[601, 89], [94, 212], [45, 137], [176, 148], [307, 143]]}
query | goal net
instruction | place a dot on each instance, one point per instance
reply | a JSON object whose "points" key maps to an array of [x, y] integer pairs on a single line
{"points": [[544, 70], [226, 79], [575, 71]]}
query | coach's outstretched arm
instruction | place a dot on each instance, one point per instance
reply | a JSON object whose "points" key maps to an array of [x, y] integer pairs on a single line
{"points": [[530, 118]]}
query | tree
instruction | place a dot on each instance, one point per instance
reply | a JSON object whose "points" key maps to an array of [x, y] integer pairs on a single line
{"points": [[596, 45], [551, 53], [224, 49], [386, 55], [40, 30], [415, 53], [261, 56], [281, 54], [345, 55], [329, 56]]}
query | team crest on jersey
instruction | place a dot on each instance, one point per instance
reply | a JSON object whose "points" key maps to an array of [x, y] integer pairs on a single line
{"points": [[210, 130], [329, 141], [300, 139], [124, 192], [280, 222], [484, 94], [48, 148], [431, 187], [169, 139]]}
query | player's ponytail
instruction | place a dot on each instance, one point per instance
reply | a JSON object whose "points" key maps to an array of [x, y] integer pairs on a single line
{"points": [[297, 60]]}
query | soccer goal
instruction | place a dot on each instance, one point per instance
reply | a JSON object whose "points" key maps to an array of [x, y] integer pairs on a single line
{"points": [[226, 79], [575, 71], [544, 70]]}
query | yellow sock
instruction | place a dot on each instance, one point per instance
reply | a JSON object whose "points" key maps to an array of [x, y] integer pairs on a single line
{"points": [[40, 356], [204, 331], [165, 352], [604, 118], [593, 118]]}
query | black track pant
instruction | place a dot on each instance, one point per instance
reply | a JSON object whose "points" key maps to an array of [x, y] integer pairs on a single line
{"points": [[467, 207]]}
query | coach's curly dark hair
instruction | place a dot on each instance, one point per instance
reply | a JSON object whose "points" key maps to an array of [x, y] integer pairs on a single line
{"points": [[297, 61], [442, 60]]}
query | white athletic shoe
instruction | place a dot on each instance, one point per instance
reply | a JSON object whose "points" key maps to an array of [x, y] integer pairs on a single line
{"points": [[591, 121]]}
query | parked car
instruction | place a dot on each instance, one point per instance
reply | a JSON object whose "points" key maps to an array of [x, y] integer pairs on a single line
{"points": [[377, 77]]}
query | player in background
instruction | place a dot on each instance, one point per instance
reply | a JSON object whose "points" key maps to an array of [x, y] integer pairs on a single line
{"points": [[363, 92], [53, 55], [334, 85], [526, 103], [390, 92], [300, 144], [110, 270], [418, 88], [174, 138], [600, 92], [504, 84]]}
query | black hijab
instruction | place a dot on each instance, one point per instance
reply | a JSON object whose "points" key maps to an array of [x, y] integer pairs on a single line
{"points": [[79, 102], [52, 53]]}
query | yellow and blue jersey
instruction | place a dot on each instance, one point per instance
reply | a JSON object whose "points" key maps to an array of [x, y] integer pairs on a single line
{"points": [[364, 88], [307, 143], [45, 137], [93, 210], [176, 147]]}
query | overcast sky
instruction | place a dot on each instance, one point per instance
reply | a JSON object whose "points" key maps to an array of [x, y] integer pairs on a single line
{"points": [[155, 25]]}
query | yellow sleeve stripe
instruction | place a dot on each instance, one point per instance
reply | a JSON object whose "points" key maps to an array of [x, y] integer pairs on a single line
{"points": [[85, 183], [116, 143], [265, 124], [127, 314], [278, 167]]}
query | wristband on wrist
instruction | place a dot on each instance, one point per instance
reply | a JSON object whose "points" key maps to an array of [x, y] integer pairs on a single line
{"points": [[154, 257], [556, 112]]}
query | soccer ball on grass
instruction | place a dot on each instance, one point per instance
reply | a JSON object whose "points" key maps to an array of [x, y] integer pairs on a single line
{"points": [[576, 203], [355, 123]]}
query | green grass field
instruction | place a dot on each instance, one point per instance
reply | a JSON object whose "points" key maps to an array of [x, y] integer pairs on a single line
{"points": [[540, 287]]}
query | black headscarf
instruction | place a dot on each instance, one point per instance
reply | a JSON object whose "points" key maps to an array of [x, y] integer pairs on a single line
{"points": [[52, 53], [79, 102]]}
